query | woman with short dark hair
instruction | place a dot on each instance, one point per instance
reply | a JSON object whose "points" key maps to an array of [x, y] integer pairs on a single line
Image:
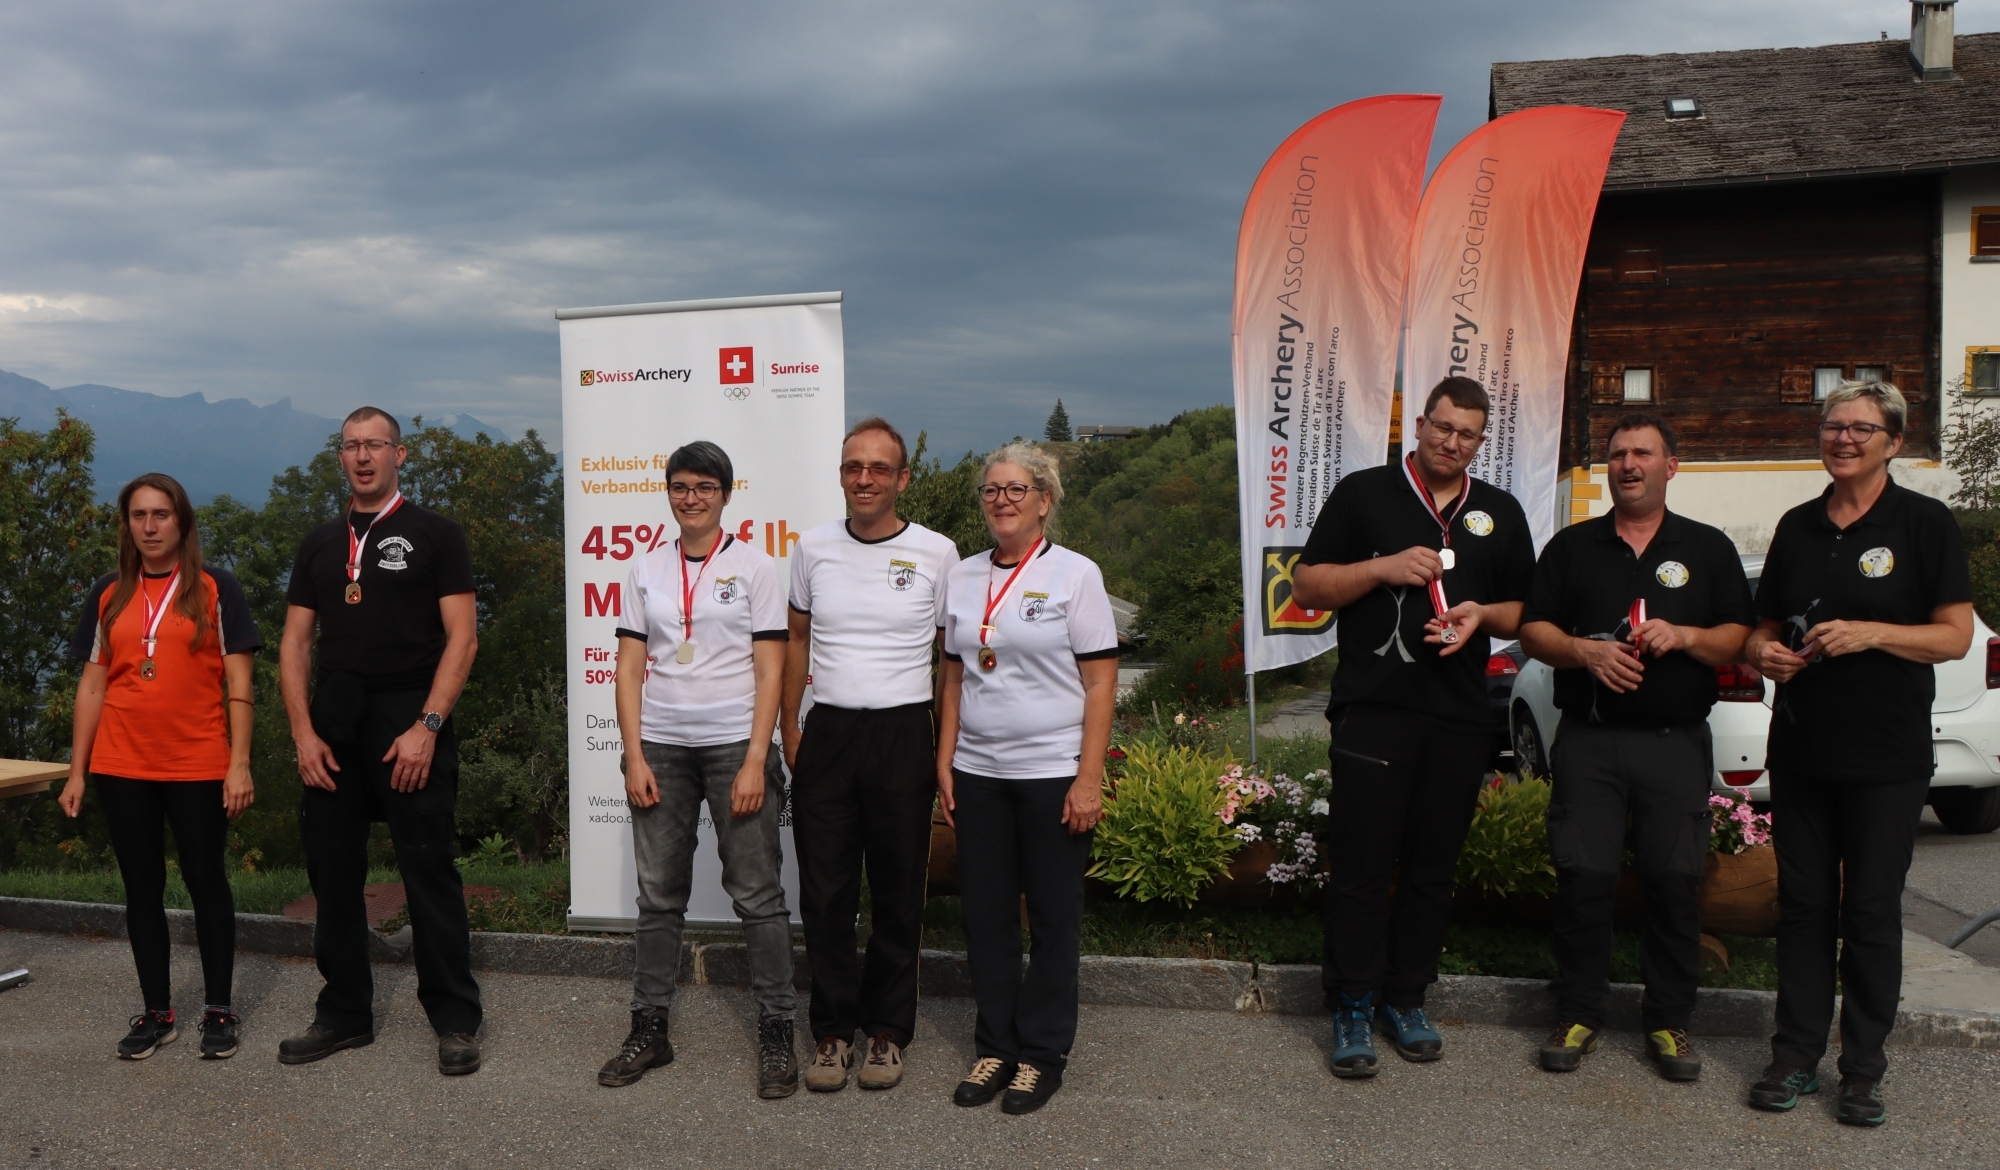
{"points": [[162, 727]]}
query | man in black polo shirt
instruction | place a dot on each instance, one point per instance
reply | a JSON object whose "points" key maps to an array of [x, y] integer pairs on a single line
{"points": [[389, 586], [1412, 728], [1635, 609]]}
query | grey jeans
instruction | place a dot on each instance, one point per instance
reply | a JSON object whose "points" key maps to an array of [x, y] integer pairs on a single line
{"points": [[663, 844]]}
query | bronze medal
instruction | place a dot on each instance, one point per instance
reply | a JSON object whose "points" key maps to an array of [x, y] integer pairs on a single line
{"points": [[146, 670], [354, 593], [987, 658]]}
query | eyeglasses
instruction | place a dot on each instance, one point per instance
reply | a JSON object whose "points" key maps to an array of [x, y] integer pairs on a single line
{"points": [[1445, 432], [700, 491], [878, 470], [1015, 492], [1830, 432], [374, 446]]}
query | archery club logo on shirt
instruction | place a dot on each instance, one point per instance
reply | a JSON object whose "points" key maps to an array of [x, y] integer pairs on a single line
{"points": [[902, 575], [728, 590], [1672, 574], [1878, 562], [1032, 606], [1479, 524], [394, 549]]}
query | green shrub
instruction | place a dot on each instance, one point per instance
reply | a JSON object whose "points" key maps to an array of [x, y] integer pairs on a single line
{"points": [[1162, 836], [1194, 676], [1507, 849]]}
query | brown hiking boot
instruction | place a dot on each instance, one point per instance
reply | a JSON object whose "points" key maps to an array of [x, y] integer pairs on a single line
{"points": [[777, 1065], [828, 1071], [646, 1046], [884, 1067], [1671, 1049]]}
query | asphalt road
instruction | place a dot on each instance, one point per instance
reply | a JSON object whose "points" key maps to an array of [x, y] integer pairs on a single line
{"points": [[1148, 1088], [1952, 880]]}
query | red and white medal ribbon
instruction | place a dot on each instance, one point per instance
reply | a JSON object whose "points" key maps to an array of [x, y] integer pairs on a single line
{"points": [[1636, 617], [356, 545], [149, 637], [987, 658], [1445, 554], [685, 654]]}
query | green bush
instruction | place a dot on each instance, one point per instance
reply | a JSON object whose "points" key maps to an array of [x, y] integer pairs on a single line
{"points": [[1192, 677], [1162, 836], [1507, 849]]}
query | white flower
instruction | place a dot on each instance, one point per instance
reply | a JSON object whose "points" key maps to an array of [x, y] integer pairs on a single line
{"points": [[1180, 719], [1319, 807], [1246, 832]]}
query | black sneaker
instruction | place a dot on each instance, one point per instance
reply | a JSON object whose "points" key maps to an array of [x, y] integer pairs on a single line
{"points": [[777, 1062], [218, 1034], [150, 1032], [1566, 1047], [318, 1043], [1030, 1089], [1781, 1087], [1673, 1052], [646, 1046], [989, 1076], [1861, 1102]]}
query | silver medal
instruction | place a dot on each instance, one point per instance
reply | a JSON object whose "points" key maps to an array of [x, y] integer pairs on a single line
{"points": [[685, 654], [1448, 558]]}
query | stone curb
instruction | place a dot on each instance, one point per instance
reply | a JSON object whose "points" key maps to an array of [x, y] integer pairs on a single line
{"points": [[1188, 984]]}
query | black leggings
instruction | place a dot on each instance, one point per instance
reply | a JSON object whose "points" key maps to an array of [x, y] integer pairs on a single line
{"points": [[138, 813]]}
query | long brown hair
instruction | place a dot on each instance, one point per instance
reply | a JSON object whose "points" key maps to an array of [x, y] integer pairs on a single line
{"points": [[192, 597]]}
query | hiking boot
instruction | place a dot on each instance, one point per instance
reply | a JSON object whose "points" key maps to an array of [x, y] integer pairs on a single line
{"points": [[1353, 1054], [320, 1042], [1567, 1046], [151, 1031], [646, 1046], [884, 1067], [1781, 1087], [1671, 1049], [988, 1077], [218, 1034], [828, 1071], [777, 1064], [458, 1054], [1861, 1102], [1030, 1089], [1410, 1033]]}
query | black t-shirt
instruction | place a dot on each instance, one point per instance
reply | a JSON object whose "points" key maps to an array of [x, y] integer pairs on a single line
{"points": [[1864, 716], [1585, 584], [394, 637], [1383, 656]]}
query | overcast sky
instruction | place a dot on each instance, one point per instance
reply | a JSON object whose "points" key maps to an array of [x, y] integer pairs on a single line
{"points": [[348, 202]]}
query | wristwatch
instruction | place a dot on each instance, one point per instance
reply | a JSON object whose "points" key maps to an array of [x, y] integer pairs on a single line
{"points": [[433, 721]]}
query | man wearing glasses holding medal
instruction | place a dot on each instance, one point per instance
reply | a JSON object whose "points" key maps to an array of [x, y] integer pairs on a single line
{"points": [[1426, 564], [388, 585]]}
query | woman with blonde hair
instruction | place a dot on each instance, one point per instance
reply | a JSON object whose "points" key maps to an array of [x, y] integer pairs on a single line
{"points": [[1030, 677], [162, 727]]}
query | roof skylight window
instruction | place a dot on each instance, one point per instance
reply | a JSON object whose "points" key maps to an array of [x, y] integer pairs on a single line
{"points": [[1680, 108]]}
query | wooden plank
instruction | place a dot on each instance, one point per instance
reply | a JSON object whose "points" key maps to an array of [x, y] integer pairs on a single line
{"points": [[25, 777]]}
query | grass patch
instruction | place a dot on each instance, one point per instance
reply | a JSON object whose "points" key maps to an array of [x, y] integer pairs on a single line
{"points": [[263, 892]]}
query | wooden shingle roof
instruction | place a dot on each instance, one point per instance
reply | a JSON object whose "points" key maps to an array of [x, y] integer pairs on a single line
{"points": [[1775, 114]]}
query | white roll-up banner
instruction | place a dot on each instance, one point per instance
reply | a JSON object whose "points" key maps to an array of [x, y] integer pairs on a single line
{"points": [[764, 379]]}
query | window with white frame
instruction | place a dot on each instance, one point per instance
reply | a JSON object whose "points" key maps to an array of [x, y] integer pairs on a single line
{"points": [[1827, 379], [1870, 374]]}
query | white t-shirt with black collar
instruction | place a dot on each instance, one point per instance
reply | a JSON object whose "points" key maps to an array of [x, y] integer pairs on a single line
{"points": [[876, 606], [738, 600], [1023, 719]]}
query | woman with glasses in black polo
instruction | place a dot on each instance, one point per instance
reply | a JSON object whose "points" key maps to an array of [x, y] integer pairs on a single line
{"points": [[1864, 590]]}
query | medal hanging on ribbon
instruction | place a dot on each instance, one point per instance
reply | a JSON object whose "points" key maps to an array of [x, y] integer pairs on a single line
{"points": [[1446, 556], [1636, 618], [149, 636], [356, 545], [684, 653], [987, 659]]}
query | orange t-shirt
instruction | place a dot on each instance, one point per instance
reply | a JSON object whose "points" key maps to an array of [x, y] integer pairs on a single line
{"points": [[175, 725]]}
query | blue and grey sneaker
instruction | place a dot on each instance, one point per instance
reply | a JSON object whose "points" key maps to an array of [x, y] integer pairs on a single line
{"points": [[1410, 1033], [1781, 1087], [1354, 1038]]}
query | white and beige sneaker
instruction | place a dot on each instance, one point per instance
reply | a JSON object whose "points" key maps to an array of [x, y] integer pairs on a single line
{"points": [[828, 1071], [884, 1067]]}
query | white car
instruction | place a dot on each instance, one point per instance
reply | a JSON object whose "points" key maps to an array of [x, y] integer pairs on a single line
{"points": [[1965, 728]]}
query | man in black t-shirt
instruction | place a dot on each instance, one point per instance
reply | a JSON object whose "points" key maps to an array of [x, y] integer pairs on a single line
{"points": [[1635, 609], [389, 586], [1412, 728]]}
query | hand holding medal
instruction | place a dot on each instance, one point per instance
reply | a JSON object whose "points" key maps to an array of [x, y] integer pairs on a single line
{"points": [[1443, 625]]}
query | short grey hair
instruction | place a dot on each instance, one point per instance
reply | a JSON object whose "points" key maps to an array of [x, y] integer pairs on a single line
{"points": [[1034, 461], [1889, 400]]}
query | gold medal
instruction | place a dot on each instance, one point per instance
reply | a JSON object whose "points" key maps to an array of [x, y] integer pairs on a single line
{"points": [[685, 653], [354, 593], [146, 670], [987, 658]]}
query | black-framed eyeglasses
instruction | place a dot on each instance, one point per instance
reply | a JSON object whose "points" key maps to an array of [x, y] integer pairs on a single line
{"points": [[1447, 432], [700, 491], [878, 470], [1015, 492], [373, 446], [1862, 431]]}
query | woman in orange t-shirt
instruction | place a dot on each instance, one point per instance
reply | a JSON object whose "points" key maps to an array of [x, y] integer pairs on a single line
{"points": [[167, 744]]}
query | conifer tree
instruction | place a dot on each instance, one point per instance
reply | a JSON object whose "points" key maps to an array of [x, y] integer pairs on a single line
{"points": [[1056, 430]]}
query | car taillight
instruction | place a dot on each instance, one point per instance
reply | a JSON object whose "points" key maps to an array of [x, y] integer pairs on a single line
{"points": [[1992, 663], [1501, 664], [1736, 682], [1741, 779]]}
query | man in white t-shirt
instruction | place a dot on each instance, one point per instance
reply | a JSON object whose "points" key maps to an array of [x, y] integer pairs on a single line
{"points": [[867, 598]]}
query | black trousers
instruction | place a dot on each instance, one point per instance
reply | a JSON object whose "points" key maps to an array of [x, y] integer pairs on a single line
{"points": [[335, 827], [1011, 841], [1820, 826], [1403, 793], [862, 794], [1656, 781], [138, 813]]}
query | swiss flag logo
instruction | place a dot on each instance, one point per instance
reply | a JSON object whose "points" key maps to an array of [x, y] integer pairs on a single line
{"points": [[739, 365]]}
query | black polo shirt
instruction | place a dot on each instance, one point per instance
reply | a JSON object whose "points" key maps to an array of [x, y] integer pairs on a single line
{"points": [[1383, 656], [1864, 716], [394, 638], [1585, 584]]}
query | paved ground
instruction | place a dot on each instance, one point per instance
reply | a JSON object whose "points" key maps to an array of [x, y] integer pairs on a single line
{"points": [[1148, 1088], [1953, 879]]}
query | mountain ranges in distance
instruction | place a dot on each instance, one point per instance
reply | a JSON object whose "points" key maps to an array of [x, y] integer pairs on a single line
{"points": [[232, 447]]}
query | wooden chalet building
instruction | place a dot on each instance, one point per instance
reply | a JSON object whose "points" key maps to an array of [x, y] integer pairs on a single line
{"points": [[1775, 221]]}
